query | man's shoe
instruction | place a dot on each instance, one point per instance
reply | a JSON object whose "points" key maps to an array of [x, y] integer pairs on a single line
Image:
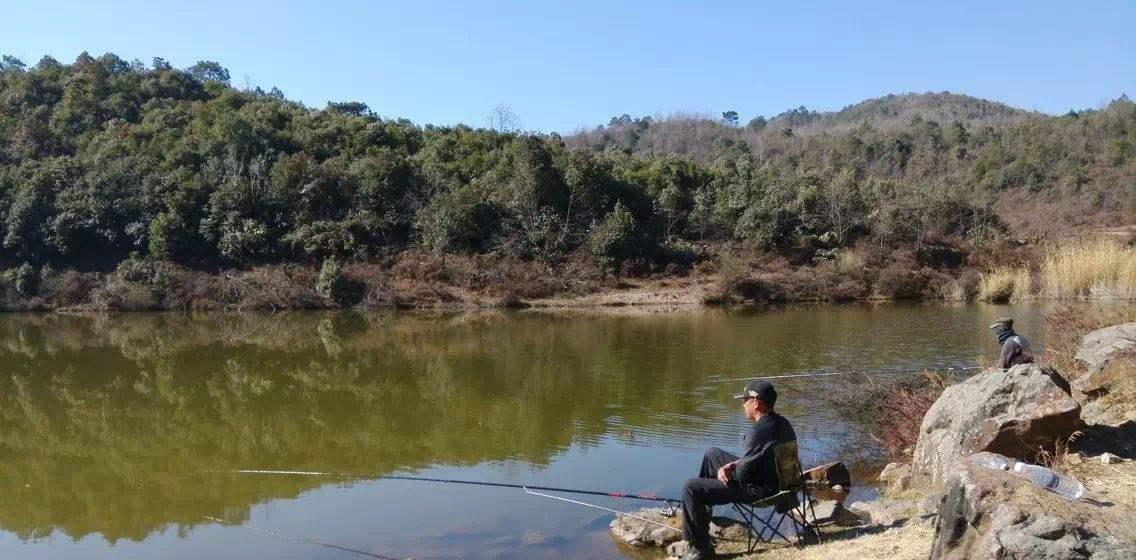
{"points": [[697, 554]]}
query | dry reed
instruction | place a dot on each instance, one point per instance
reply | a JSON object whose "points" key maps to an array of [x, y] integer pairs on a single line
{"points": [[1090, 269], [1004, 284]]}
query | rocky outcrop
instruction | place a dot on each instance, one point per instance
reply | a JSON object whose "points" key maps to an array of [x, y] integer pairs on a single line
{"points": [[992, 514], [1108, 385], [1012, 412], [632, 530]]}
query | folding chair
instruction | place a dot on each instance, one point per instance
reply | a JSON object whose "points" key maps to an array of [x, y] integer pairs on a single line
{"points": [[792, 501]]}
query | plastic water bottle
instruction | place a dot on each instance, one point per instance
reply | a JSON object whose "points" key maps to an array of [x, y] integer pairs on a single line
{"points": [[1051, 480], [995, 463]]}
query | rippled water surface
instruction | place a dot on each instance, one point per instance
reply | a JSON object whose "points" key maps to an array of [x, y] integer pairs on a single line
{"points": [[109, 426]]}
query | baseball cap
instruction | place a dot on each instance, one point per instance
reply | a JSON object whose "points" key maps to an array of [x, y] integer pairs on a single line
{"points": [[1003, 322], [759, 389]]}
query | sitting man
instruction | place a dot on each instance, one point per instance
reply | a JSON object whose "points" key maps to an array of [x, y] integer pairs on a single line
{"points": [[725, 478], [1015, 347]]}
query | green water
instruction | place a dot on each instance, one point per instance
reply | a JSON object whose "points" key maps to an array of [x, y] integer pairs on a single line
{"points": [[108, 425]]}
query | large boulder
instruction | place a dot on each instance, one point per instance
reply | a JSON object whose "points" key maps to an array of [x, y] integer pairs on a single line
{"points": [[1108, 385], [995, 515], [1013, 412]]}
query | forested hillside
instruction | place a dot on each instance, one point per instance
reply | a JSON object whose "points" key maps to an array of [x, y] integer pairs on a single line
{"points": [[123, 172]]}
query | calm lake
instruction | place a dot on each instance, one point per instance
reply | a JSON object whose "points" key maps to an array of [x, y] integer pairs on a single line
{"points": [[110, 425]]}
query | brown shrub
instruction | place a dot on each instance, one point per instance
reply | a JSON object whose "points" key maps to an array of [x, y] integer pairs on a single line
{"points": [[69, 288], [888, 409], [270, 288], [120, 294]]}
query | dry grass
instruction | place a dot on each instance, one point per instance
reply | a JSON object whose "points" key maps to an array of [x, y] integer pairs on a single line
{"points": [[1004, 284], [908, 542], [850, 261], [1092, 269]]}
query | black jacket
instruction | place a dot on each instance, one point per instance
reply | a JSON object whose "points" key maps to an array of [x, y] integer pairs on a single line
{"points": [[757, 468]]}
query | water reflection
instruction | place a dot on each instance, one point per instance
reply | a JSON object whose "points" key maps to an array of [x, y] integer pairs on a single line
{"points": [[106, 423]]}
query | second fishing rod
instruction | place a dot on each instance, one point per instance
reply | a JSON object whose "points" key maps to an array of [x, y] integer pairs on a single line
{"points": [[526, 487]]}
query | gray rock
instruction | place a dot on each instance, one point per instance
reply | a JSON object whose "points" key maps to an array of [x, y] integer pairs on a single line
{"points": [[897, 476], [1109, 358], [990, 514], [929, 505], [884, 512], [638, 533], [728, 529], [678, 549], [1011, 411], [832, 511]]}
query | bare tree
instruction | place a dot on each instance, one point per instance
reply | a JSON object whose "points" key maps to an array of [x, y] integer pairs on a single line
{"points": [[502, 119]]}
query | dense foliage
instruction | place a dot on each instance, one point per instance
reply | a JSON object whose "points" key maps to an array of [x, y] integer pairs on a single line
{"points": [[103, 159]]}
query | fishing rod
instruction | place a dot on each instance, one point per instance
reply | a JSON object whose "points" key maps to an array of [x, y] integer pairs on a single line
{"points": [[299, 539], [615, 511], [648, 497], [849, 372]]}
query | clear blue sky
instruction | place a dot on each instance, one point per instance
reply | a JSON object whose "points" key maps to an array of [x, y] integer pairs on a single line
{"points": [[568, 64]]}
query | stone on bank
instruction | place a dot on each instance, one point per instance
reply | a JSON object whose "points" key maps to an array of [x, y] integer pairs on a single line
{"points": [[1014, 412]]}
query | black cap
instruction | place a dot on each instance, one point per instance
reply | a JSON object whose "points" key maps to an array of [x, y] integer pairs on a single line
{"points": [[1003, 322], [760, 389]]}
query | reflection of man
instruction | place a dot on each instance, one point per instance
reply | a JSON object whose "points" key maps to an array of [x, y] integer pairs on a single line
{"points": [[1015, 347], [725, 478]]}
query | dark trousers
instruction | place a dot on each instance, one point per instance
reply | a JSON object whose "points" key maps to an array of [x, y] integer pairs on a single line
{"points": [[699, 495]]}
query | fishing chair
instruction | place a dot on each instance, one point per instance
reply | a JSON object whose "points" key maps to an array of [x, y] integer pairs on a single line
{"points": [[764, 518]]}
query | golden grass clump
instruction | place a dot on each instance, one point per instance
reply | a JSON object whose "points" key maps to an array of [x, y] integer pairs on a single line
{"points": [[1004, 284], [1090, 269], [850, 261]]}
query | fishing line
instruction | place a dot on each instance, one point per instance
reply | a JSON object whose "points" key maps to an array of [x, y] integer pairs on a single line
{"points": [[615, 511], [299, 539], [648, 497], [850, 372]]}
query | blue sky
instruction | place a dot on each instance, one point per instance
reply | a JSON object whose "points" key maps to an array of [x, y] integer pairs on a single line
{"points": [[562, 65]]}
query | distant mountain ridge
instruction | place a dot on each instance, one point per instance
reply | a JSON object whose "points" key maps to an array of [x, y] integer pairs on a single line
{"points": [[894, 111], [704, 136]]}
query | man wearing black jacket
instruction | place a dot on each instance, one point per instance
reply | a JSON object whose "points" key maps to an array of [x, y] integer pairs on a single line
{"points": [[725, 478], [1015, 347]]}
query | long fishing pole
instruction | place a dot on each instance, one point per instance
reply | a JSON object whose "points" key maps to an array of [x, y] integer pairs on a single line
{"points": [[615, 511], [849, 372], [300, 539], [648, 497]]}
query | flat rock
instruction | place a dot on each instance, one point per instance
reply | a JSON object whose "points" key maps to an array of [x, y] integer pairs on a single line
{"points": [[832, 511], [1011, 412], [884, 512], [990, 514], [639, 533]]}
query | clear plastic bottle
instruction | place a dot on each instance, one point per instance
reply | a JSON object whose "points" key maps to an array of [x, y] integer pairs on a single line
{"points": [[996, 463], [1051, 480]]}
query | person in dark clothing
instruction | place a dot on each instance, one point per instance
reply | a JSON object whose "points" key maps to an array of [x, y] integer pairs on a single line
{"points": [[725, 478], [1015, 347]]}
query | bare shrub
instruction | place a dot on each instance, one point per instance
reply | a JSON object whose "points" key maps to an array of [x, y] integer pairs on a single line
{"points": [[888, 409]]}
